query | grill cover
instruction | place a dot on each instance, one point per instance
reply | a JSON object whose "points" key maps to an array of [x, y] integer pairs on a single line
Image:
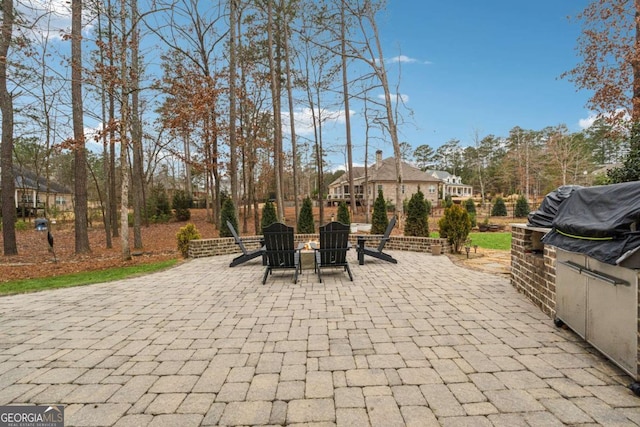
{"points": [[601, 222], [543, 217]]}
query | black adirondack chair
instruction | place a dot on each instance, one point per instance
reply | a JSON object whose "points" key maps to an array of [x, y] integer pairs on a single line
{"points": [[377, 252], [334, 244], [246, 255], [280, 251]]}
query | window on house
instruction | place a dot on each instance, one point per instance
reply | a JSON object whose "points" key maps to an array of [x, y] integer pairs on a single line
{"points": [[402, 188], [379, 187], [432, 188], [61, 200]]}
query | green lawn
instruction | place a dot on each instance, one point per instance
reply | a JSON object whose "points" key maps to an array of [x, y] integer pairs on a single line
{"points": [[83, 278], [492, 240], [489, 240]]}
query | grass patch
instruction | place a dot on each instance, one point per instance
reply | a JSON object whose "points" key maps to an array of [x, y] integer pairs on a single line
{"points": [[83, 278], [490, 240]]}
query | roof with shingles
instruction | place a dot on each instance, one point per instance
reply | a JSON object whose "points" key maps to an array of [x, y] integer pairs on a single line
{"points": [[27, 179], [386, 172], [439, 174]]}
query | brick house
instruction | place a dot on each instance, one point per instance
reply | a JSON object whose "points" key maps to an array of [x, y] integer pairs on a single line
{"points": [[382, 175]]}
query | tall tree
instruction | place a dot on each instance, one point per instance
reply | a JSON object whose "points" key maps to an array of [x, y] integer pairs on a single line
{"points": [[610, 49], [292, 121], [80, 155], [6, 155], [109, 193], [569, 154], [345, 94], [124, 138], [137, 171], [424, 156], [365, 14], [275, 99], [189, 30], [233, 162]]}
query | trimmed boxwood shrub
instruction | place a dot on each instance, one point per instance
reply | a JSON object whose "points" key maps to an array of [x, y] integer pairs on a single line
{"points": [[184, 236]]}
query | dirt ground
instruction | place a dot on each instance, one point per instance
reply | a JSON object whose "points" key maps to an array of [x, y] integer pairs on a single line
{"points": [[35, 259]]}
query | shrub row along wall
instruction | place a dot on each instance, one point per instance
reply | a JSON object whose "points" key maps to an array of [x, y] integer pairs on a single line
{"points": [[533, 267], [226, 245]]}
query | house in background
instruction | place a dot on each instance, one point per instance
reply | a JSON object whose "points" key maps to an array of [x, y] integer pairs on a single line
{"points": [[382, 175], [452, 185], [33, 193]]}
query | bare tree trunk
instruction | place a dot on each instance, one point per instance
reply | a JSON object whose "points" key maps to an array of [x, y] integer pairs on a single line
{"points": [[6, 160], [187, 163], [136, 131], [635, 63], [124, 124], [233, 166], [108, 195], [391, 122], [113, 206], [277, 125], [345, 94], [80, 155], [366, 165], [292, 125]]}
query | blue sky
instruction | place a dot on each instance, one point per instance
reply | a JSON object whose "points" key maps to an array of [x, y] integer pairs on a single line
{"points": [[483, 66]]}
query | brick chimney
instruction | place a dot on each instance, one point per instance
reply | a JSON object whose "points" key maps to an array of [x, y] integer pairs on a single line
{"points": [[378, 159]]}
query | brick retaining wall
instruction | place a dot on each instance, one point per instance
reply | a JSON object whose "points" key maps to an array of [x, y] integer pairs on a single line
{"points": [[226, 245], [533, 267]]}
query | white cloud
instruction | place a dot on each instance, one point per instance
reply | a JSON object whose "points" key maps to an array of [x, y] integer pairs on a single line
{"points": [[92, 134], [51, 18], [395, 97], [587, 122], [304, 119], [402, 58]]}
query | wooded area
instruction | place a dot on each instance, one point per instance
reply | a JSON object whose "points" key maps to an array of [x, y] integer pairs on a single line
{"points": [[206, 98]]}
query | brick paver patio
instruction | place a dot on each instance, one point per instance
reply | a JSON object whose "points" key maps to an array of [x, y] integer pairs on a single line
{"points": [[423, 342]]}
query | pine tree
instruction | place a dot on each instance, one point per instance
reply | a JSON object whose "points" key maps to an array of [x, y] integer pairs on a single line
{"points": [[499, 208], [268, 215], [343, 213], [522, 207], [379, 220], [470, 206], [448, 201], [181, 204], [228, 213], [305, 219], [417, 223]]}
